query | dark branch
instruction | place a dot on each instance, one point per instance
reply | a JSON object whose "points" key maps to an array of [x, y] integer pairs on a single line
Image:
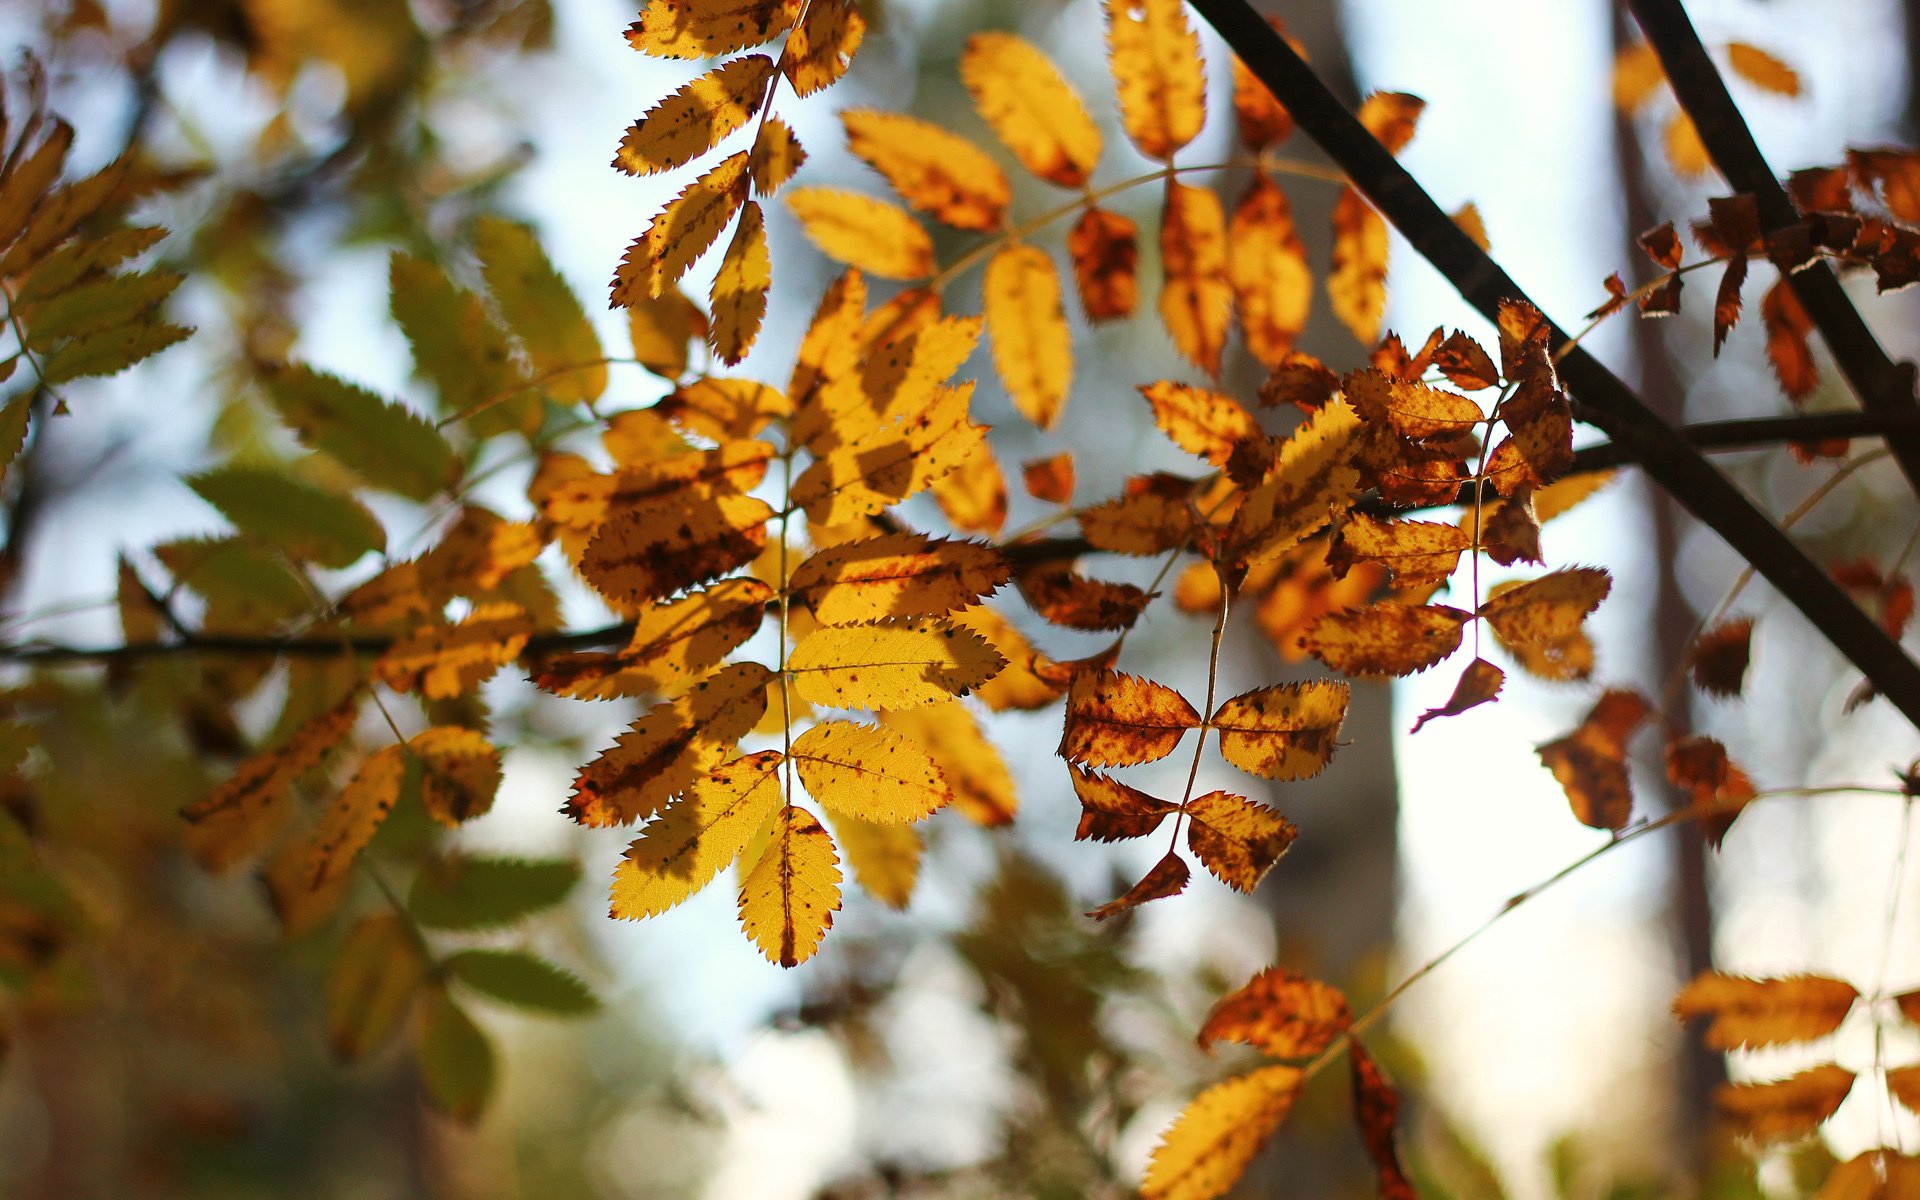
{"points": [[1605, 401], [1882, 385]]}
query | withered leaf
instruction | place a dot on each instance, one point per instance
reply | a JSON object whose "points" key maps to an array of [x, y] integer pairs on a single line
{"points": [[1235, 838], [1119, 720], [1104, 247], [1788, 348], [1590, 762], [459, 772], [1280, 1012], [1199, 421], [1548, 608], [1376, 1110], [1283, 732], [1749, 1012], [1418, 552], [673, 745], [692, 29], [1785, 1109], [1479, 683], [821, 48], [653, 550], [1153, 515], [356, 815], [1386, 639], [1111, 811], [1720, 657], [1065, 597], [1168, 877]]}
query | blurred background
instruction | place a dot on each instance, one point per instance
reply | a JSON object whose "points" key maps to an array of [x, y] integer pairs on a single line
{"points": [[987, 1041]]}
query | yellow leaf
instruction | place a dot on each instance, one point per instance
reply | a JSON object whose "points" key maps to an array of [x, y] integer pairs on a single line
{"points": [[1017, 687], [896, 575], [788, 900], [890, 463], [899, 374], [830, 349], [897, 664], [1312, 482], [1196, 297], [1420, 553], [1386, 639], [1235, 838], [238, 818], [1208, 1148], [1111, 811], [939, 173], [1118, 720], [1159, 74], [1785, 1109], [651, 551], [869, 772], [1032, 346], [1105, 249], [975, 773], [684, 478], [1280, 1013], [372, 985], [1031, 108], [1282, 732], [671, 642], [673, 745], [698, 836], [1764, 1012], [660, 329], [459, 772], [876, 237], [1390, 117], [1686, 153], [681, 233], [973, 496], [822, 47], [723, 409], [1410, 409], [355, 816], [707, 28], [1168, 877], [1357, 286], [1636, 76], [694, 119], [775, 157], [442, 661], [1272, 283], [1201, 422], [739, 295], [1548, 608], [1155, 514], [1762, 70], [1468, 218], [885, 858]]}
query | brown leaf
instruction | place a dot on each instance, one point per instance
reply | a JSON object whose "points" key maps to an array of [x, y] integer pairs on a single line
{"points": [[1720, 657], [1281, 1013], [1105, 249], [1300, 380], [1376, 1109], [1064, 597], [1167, 878], [1050, 479], [651, 551], [1285, 732], [1785, 1109], [1788, 349], [1153, 515], [1196, 296], [1549, 608], [1465, 363], [1590, 762], [1386, 639], [1117, 720], [1479, 683], [1235, 838], [1110, 811], [674, 744], [1764, 1012]]}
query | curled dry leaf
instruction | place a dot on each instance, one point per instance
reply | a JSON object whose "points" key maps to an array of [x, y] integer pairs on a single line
{"points": [[1280, 1012], [1168, 877], [1479, 683], [1591, 762], [459, 772], [1118, 720], [1749, 1012]]}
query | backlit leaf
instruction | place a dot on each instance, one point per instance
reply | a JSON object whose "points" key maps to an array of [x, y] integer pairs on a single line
{"points": [[698, 836], [1764, 1012], [1410, 408], [541, 310], [1235, 838], [681, 232], [1208, 1148], [1282, 732], [707, 28], [1111, 811], [355, 816], [1357, 285], [1105, 249], [1196, 296], [388, 445], [1762, 70], [885, 466], [822, 47], [459, 772], [300, 520], [519, 979], [1117, 720], [973, 496], [890, 664], [939, 173], [1785, 1109], [1312, 482], [671, 642], [1418, 552], [896, 575], [459, 348], [1065, 597], [1201, 422], [879, 238], [788, 900], [1387, 639], [1590, 762], [1032, 346], [1032, 109], [236, 819], [442, 661], [1168, 877], [372, 985], [1158, 72], [971, 765], [1874, 1175], [1280, 1013], [1272, 283], [1479, 683], [653, 550], [665, 751], [869, 771], [885, 858], [695, 118], [739, 296], [1547, 608]]}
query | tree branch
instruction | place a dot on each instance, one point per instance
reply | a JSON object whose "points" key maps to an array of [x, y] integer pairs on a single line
{"points": [[1605, 401], [1882, 385]]}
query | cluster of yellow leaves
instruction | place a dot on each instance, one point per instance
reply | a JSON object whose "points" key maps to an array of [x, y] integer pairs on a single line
{"points": [[1290, 1017]]}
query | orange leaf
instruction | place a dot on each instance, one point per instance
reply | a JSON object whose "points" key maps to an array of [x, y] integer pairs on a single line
{"points": [[1636, 76], [1376, 1109], [1032, 109], [1762, 70], [671, 642], [1235, 838], [704, 29], [694, 119], [674, 744], [356, 815], [1874, 1175], [1386, 639], [879, 238], [1032, 346], [443, 661], [821, 48], [1280, 1013], [1272, 283], [739, 296], [1786, 1109], [459, 772], [1764, 1012], [653, 550], [1261, 120], [1158, 72], [1208, 1148], [1062, 596], [1420, 553], [1110, 811], [1201, 422], [1153, 515], [775, 157], [681, 233], [973, 496], [940, 173], [1390, 117], [1167, 878], [1196, 297], [1105, 250], [1410, 409], [1686, 153], [1118, 720], [1787, 326], [1479, 683], [1357, 286], [1283, 732], [1548, 608], [1313, 481], [1050, 479], [237, 819]]}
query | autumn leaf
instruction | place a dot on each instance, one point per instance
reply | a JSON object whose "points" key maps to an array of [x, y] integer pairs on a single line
{"points": [[890, 664], [723, 410], [1272, 283], [776, 156], [879, 238], [681, 233], [384, 443], [1235, 838], [1049, 479], [1280, 1013], [1720, 657], [886, 465], [1032, 346], [1111, 811], [459, 772], [1158, 73], [869, 771], [1686, 153], [1764, 1012], [1873, 1175], [707, 28], [1117, 720], [1283, 732], [1762, 70], [650, 551], [1548, 608], [788, 900], [1357, 285], [695, 118], [1376, 1110], [885, 858], [1479, 683], [1590, 762], [355, 816], [697, 836], [440, 661], [1419, 553], [973, 496], [972, 766], [937, 172], [1202, 422], [1312, 482], [675, 743], [1785, 1109], [1196, 295], [896, 575], [822, 47], [1168, 877], [739, 296], [1031, 108], [236, 819], [1788, 348], [1105, 249], [1386, 639], [1153, 515], [1208, 1148], [671, 642], [1411, 409]]}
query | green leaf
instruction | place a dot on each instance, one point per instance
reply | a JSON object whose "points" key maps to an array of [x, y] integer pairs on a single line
{"points": [[461, 350], [13, 428], [87, 256], [542, 311], [388, 445], [246, 585], [456, 1060], [517, 978], [299, 519], [110, 352], [96, 307], [15, 740], [487, 893]]}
